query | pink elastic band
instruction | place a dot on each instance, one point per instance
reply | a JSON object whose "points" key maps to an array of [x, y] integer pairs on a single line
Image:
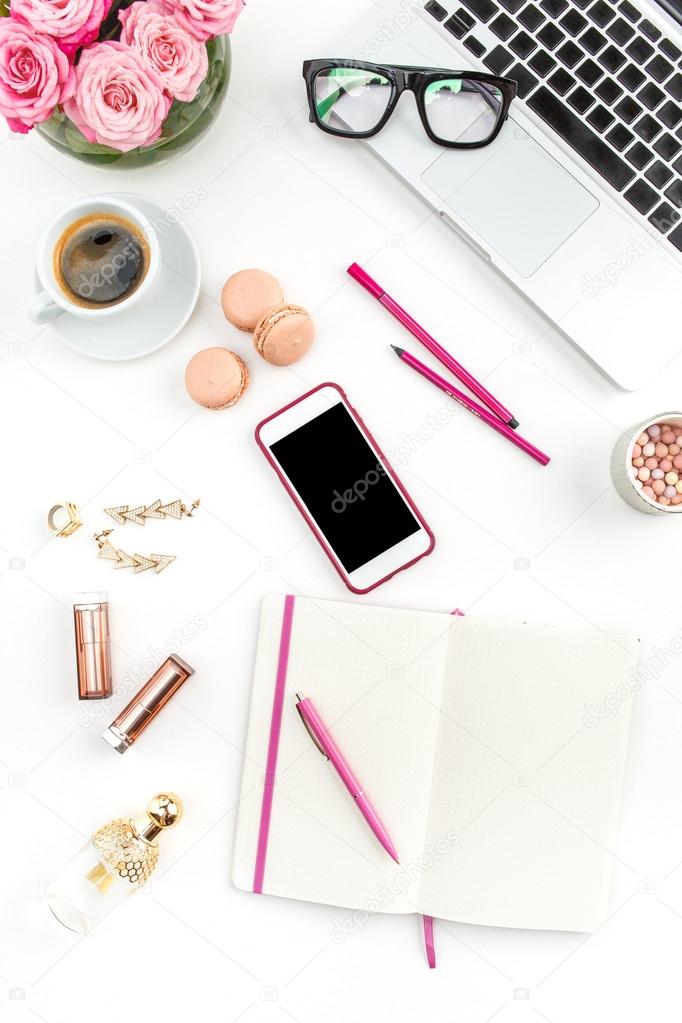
{"points": [[273, 743], [428, 920], [428, 942]]}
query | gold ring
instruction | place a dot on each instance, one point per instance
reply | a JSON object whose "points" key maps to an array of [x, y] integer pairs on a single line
{"points": [[73, 522]]}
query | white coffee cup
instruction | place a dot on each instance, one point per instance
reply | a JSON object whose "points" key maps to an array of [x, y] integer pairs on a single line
{"points": [[53, 301]]}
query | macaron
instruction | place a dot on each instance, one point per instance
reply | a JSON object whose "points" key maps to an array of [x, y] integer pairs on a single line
{"points": [[284, 334], [247, 296], [216, 378]]}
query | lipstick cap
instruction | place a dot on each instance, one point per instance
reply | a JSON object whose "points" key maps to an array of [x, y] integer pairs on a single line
{"points": [[146, 704], [93, 655]]}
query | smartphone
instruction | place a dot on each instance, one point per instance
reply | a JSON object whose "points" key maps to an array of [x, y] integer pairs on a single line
{"points": [[345, 489]]}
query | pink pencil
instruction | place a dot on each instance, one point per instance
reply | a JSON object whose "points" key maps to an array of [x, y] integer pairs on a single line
{"points": [[456, 368], [472, 406]]}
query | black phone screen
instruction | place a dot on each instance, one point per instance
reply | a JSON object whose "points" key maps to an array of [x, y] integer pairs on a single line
{"points": [[349, 494]]}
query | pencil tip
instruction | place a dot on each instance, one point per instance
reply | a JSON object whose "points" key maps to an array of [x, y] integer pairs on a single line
{"points": [[398, 351]]}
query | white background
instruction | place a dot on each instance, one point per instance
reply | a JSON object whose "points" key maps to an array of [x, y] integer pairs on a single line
{"points": [[514, 539]]}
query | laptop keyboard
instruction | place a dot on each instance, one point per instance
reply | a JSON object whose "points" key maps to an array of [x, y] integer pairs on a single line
{"points": [[601, 76]]}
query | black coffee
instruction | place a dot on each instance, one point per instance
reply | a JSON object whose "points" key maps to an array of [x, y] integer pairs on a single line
{"points": [[100, 260]]}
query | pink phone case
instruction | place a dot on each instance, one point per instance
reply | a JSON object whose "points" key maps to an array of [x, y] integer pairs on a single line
{"points": [[301, 507]]}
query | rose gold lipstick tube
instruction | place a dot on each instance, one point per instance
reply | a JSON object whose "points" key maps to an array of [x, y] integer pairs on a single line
{"points": [[146, 704], [93, 657]]}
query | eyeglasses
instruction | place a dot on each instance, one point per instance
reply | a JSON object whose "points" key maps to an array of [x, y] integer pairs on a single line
{"points": [[459, 109]]}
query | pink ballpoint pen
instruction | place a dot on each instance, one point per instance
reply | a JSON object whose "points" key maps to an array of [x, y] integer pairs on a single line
{"points": [[323, 740], [472, 406], [456, 368]]}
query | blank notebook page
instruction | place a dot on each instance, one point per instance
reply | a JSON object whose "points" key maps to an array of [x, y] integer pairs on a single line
{"points": [[374, 675], [531, 793]]}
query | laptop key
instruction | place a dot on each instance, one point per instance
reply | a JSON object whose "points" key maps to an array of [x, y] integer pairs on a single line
{"points": [[620, 137], [580, 137], [674, 87], [573, 23], [631, 77], [525, 81], [569, 54], [639, 50], [550, 36], [627, 109], [502, 26], [639, 156], [649, 30], [435, 10], [608, 91], [641, 196], [670, 50], [553, 8], [658, 174], [589, 72], [512, 5], [676, 237], [498, 60], [601, 13], [474, 46], [581, 100], [611, 58], [561, 81], [541, 63], [651, 96], [629, 12], [531, 18], [456, 27], [667, 147], [674, 192], [593, 41], [664, 217], [670, 114], [482, 9], [620, 31], [659, 68], [677, 165], [600, 118], [522, 45], [647, 128]]}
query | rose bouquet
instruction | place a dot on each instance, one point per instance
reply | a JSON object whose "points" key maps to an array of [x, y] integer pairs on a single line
{"points": [[103, 78]]}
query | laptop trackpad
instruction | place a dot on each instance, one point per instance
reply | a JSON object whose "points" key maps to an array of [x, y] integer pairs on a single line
{"points": [[517, 199]]}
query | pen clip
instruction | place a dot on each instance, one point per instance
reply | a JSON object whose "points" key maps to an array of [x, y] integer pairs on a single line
{"points": [[308, 728]]}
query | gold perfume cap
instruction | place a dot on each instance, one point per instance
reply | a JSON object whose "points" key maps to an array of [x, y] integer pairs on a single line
{"points": [[129, 847]]}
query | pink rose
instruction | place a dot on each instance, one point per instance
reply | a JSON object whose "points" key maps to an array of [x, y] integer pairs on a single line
{"points": [[118, 101], [179, 59], [207, 18], [34, 75], [73, 23]]}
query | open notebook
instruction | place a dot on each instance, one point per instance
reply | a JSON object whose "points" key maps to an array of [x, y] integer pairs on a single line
{"points": [[474, 739]]}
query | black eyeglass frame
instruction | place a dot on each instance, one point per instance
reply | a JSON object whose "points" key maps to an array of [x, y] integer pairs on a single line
{"points": [[405, 78]]}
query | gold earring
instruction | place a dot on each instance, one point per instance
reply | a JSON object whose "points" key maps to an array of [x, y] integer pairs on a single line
{"points": [[173, 510], [121, 559]]}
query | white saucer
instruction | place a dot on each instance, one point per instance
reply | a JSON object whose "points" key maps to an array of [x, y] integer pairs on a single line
{"points": [[156, 318]]}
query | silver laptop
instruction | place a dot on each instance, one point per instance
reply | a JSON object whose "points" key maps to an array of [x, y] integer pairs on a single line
{"points": [[578, 201]]}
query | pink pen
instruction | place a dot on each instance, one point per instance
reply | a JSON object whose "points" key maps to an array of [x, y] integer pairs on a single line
{"points": [[472, 406], [456, 368], [328, 748]]}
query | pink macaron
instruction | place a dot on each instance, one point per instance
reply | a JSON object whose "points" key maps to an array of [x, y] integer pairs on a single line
{"points": [[216, 378], [247, 295], [284, 334]]}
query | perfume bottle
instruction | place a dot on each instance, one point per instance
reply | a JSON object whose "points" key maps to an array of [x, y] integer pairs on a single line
{"points": [[119, 858]]}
